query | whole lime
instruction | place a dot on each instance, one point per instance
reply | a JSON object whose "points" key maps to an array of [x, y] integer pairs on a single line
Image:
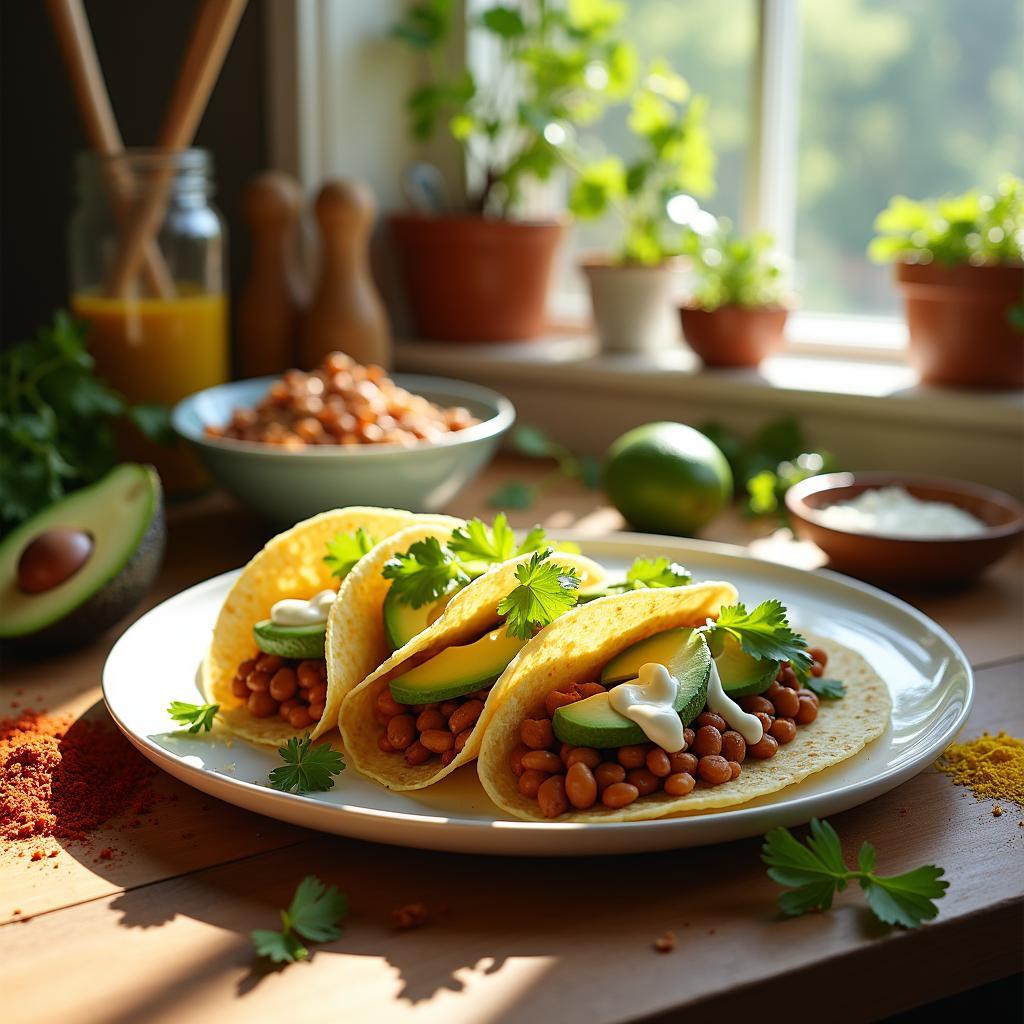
{"points": [[667, 478]]}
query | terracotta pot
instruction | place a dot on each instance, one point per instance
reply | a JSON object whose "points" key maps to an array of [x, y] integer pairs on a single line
{"points": [[632, 304], [960, 332], [734, 335], [476, 279]]}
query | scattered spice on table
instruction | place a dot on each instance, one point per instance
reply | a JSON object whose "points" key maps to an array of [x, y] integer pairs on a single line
{"points": [[665, 943], [64, 778], [990, 766], [413, 915]]}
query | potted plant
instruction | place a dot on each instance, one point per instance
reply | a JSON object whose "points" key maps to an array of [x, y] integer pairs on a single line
{"points": [[960, 266], [480, 274], [631, 291], [737, 316]]}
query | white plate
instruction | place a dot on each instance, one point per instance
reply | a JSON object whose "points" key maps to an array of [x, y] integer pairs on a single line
{"points": [[929, 677]]}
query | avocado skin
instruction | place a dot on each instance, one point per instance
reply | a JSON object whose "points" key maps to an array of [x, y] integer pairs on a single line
{"points": [[109, 604]]}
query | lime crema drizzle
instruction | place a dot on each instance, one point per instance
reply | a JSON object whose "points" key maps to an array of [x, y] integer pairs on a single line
{"points": [[294, 612]]}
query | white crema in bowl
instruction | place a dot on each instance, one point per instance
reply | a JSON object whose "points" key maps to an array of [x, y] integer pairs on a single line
{"points": [[894, 512]]}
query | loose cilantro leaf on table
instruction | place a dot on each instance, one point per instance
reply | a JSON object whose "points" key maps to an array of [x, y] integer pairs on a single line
{"points": [[765, 634], [657, 572], [197, 716], [827, 689], [313, 914], [814, 872], [513, 494], [346, 549], [426, 572], [307, 769], [545, 591]]}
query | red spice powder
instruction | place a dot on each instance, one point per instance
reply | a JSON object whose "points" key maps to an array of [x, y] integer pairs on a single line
{"points": [[64, 778]]}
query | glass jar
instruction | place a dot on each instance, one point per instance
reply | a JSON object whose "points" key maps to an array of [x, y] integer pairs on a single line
{"points": [[147, 252]]}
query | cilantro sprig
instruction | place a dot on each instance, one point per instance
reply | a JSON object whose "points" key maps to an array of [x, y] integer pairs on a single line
{"points": [[307, 769], [313, 915], [765, 634], [477, 542], [643, 574], [827, 689], [545, 591], [426, 572], [813, 873], [196, 716], [346, 549]]}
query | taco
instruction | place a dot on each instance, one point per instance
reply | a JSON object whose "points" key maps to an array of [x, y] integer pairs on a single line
{"points": [[417, 717], [266, 666], [665, 702]]}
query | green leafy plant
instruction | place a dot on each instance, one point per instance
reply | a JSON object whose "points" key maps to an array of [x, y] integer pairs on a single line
{"points": [[815, 872], [675, 159], [545, 591], [764, 633], [734, 271], [976, 227], [313, 915], [345, 550], [56, 420], [196, 716], [558, 65], [766, 465], [643, 574], [307, 769]]}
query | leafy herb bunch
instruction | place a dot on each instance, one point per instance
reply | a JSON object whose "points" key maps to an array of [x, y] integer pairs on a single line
{"points": [[733, 270], [976, 227], [559, 65], [675, 159], [56, 420]]}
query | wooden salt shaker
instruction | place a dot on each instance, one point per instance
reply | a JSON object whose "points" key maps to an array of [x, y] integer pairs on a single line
{"points": [[346, 313], [269, 310]]}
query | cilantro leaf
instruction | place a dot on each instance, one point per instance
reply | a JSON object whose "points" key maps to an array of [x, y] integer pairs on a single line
{"points": [[765, 634], [346, 549], [513, 494], [200, 716], [313, 913], [657, 572], [315, 910], [307, 769], [828, 689], [426, 572], [814, 872], [476, 542], [545, 591]]}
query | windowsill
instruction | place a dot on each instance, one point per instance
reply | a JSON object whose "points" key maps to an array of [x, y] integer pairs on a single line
{"points": [[872, 413]]}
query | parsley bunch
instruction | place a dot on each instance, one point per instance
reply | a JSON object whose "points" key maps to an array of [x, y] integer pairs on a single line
{"points": [[313, 915], [815, 872], [56, 420]]}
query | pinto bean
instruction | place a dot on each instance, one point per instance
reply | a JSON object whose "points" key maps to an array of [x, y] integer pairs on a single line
{"points": [[258, 682], [786, 703], [462, 738], [316, 711], [465, 717], [679, 784], [417, 754], [756, 704], [619, 794], [516, 759], [708, 741], [401, 731], [551, 797], [432, 719], [260, 704], [298, 718], [807, 712], [607, 773], [543, 761], [283, 684], [735, 769], [530, 780], [269, 663], [449, 707], [645, 782], [683, 762], [580, 786], [658, 763], [557, 699], [633, 756], [386, 704], [589, 689], [583, 755], [437, 741], [734, 746], [239, 689], [712, 719], [714, 769], [784, 730], [767, 746]]}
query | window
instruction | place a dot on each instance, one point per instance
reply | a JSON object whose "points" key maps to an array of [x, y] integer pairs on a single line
{"points": [[823, 109]]}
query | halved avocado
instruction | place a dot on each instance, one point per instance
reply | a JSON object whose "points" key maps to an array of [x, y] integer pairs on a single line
{"points": [[458, 670], [741, 674], [123, 516], [402, 622], [593, 722], [291, 641]]}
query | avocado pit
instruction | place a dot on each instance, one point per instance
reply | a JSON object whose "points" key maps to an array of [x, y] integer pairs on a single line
{"points": [[52, 557]]}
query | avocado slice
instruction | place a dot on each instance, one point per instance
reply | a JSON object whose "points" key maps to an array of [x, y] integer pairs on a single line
{"points": [[402, 622], [742, 675], [593, 722], [458, 670], [291, 641], [122, 514]]}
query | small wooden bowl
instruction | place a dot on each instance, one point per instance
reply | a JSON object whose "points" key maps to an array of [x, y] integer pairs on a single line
{"points": [[908, 561]]}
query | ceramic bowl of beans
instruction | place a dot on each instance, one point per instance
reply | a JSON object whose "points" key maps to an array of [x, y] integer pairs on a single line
{"points": [[294, 446], [904, 530]]}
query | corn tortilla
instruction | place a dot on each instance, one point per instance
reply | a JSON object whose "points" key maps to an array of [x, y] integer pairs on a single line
{"points": [[578, 645], [470, 614], [291, 565]]}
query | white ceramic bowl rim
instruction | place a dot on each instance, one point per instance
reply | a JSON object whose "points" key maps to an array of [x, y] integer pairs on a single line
{"points": [[831, 481], [189, 424]]}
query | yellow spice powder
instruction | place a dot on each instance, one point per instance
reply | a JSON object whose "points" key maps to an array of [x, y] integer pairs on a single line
{"points": [[991, 766]]}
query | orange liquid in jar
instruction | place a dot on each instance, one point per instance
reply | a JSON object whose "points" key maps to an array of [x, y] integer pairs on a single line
{"points": [[159, 350]]}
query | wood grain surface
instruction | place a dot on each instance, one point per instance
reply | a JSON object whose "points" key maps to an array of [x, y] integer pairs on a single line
{"points": [[159, 932]]}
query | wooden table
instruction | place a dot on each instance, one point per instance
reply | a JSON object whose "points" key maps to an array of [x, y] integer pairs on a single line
{"points": [[159, 932]]}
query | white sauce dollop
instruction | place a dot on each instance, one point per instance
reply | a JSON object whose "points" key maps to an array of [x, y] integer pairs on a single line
{"points": [[747, 725], [894, 512], [293, 612], [648, 702]]}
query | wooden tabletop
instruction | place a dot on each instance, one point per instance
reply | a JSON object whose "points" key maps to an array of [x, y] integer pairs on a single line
{"points": [[158, 932]]}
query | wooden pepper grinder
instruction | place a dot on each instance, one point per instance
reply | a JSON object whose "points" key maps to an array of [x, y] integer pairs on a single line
{"points": [[269, 310], [346, 313]]}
